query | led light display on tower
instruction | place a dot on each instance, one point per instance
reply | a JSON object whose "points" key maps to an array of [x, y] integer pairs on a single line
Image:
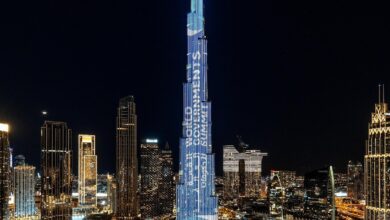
{"points": [[196, 190]]}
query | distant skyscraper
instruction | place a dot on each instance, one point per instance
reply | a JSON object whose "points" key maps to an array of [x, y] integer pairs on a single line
{"points": [[319, 200], [377, 162], [196, 198], [276, 196], [166, 187], [286, 177], [19, 160], [126, 159], [150, 178], [56, 162], [5, 171], [355, 180], [24, 180], [242, 172], [87, 167]]}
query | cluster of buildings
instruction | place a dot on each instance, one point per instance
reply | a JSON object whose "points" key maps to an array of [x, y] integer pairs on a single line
{"points": [[146, 187], [139, 189]]}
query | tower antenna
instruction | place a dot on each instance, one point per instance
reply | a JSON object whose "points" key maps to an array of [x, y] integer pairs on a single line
{"points": [[379, 91], [383, 93]]}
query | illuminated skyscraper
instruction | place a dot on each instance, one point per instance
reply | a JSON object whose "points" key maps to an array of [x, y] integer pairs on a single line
{"points": [[24, 180], [5, 171], [166, 189], [242, 172], [150, 178], [355, 180], [319, 201], [196, 197], [377, 163], [87, 163], [111, 193], [126, 159], [56, 162]]}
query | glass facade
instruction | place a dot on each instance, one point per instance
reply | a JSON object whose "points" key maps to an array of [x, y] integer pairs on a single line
{"points": [[87, 168], [56, 161], [377, 164], [241, 172], [24, 180], [196, 197], [150, 178], [127, 202]]}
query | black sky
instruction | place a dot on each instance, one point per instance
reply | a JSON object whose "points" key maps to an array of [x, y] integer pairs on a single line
{"points": [[290, 77]]}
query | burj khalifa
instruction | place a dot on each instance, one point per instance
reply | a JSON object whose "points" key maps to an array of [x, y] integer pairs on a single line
{"points": [[196, 197]]}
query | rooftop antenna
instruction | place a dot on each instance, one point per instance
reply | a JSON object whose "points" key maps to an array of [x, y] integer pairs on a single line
{"points": [[383, 93]]}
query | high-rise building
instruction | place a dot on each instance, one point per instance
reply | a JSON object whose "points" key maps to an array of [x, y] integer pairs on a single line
{"points": [[196, 198], [377, 162], [276, 197], [56, 162], [19, 160], [166, 188], [286, 177], [319, 200], [126, 159], [150, 178], [87, 167], [5, 171], [24, 180], [111, 193], [242, 172], [355, 180]]}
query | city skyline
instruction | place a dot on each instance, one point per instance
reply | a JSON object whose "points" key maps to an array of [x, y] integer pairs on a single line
{"points": [[276, 98], [268, 114]]}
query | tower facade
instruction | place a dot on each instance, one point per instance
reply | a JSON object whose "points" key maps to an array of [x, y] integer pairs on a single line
{"points": [[126, 160], [87, 169], [377, 163], [355, 178], [241, 172], [166, 184], [56, 162], [24, 180], [150, 179], [5, 171], [196, 197], [111, 193]]}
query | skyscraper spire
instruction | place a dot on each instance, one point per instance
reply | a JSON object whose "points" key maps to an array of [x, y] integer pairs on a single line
{"points": [[197, 7], [196, 189]]}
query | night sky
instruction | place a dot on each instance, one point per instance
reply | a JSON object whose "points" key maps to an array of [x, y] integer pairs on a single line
{"points": [[289, 77]]}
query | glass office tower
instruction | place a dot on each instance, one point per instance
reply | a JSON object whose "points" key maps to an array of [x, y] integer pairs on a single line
{"points": [[196, 197], [87, 167], [56, 165], [127, 206], [24, 180]]}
